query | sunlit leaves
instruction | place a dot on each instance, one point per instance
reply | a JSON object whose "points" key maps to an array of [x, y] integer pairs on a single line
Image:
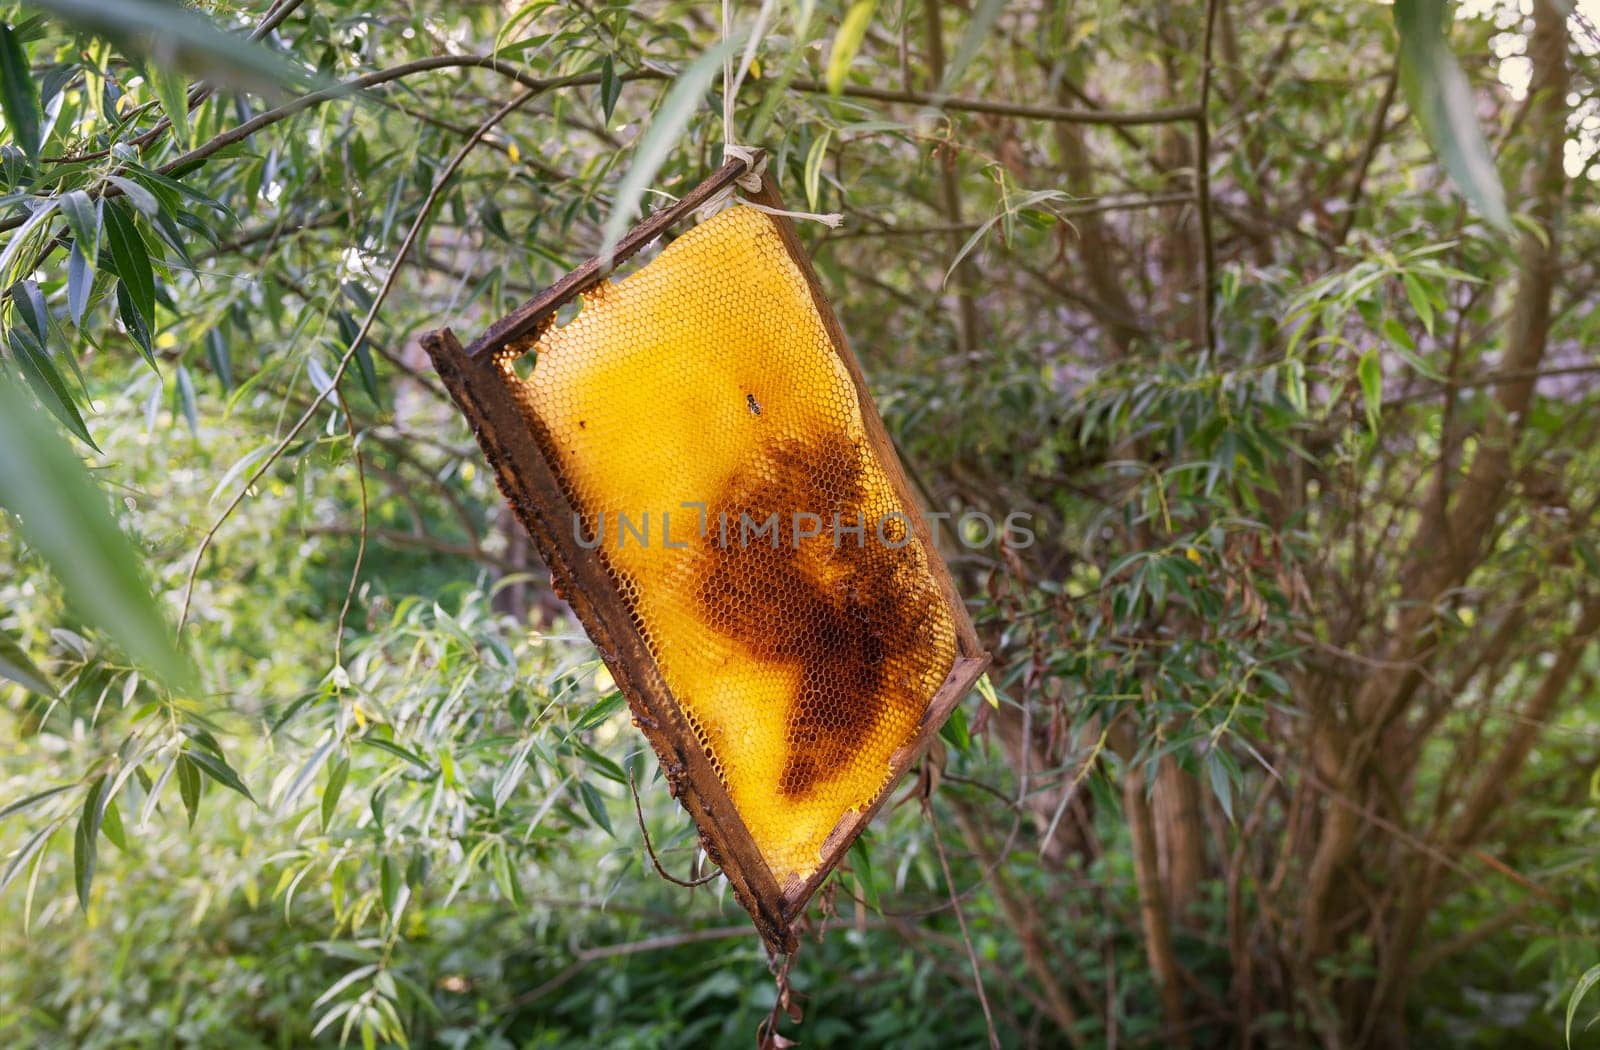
{"points": [[170, 88], [847, 42], [64, 518], [813, 172]]}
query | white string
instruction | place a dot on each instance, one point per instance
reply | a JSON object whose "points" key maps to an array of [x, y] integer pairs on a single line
{"points": [[755, 167]]}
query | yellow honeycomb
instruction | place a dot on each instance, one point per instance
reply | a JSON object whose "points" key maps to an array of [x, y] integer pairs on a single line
{"points": [[695, 398]]}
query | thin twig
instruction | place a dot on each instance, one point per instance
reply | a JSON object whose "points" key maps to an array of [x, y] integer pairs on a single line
{"points": [[1470, 382], [352, 87], [361, 540], [961, 920], [275, 18], [1094, 207], [1380, 127], [395, 267], [515, 72], [394, 538], [638, 811], [1057, 114]]}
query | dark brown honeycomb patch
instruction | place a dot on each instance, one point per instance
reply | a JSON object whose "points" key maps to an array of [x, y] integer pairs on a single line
{"points": [[835, 606]]}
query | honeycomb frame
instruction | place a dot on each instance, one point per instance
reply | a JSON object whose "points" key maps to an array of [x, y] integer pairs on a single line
{"points": [[532, 483]]}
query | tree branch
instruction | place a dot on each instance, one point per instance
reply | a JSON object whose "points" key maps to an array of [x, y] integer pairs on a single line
{"points": [[1057, 114], [1202, 182]]}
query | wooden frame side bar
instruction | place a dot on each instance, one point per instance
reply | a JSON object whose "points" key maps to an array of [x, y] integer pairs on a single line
{"points": [[971, 659]]}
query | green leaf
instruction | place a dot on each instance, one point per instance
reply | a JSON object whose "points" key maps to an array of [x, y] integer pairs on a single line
{"points": [[955, 731], [505, 874], [19, 94], [138, 196], [610, 88], [979, 32], [28, 301], [1441, 99], [1370, 372], [20, 240], [1587, 554], [29, 848], [47, 383], [599, 711], [596, 805], [85, 840], [217, 768], [395, 749], [338, 775], [80, 283], [814, 158], [986, 690], [861, 865], [1590, 978], [302, 777], [111, 826], [15, 665], [349, 330], [183, 39], [83, 220], [135, 323], [130, 259], [847, 42], [221, 361], [660, 138], [186, 400], [32, 800], [392, 882], [1221, 784], [64, 518], [1417, 295], [189, 786], [1012, 208], [169, 87]]}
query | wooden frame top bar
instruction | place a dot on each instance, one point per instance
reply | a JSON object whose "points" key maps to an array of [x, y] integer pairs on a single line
{"points": [[531, 315]]}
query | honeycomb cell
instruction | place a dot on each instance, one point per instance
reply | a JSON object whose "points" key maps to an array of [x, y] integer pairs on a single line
{"points": [[712, 443]]}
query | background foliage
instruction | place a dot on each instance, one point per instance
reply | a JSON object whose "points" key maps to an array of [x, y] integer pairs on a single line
{"points": [[1278, 318]]}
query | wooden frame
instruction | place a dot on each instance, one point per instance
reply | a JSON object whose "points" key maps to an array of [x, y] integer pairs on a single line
{"points": [[530, 485]]}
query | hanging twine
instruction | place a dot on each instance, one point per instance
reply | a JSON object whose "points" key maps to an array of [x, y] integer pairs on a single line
{"points": [[732, 78]]}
